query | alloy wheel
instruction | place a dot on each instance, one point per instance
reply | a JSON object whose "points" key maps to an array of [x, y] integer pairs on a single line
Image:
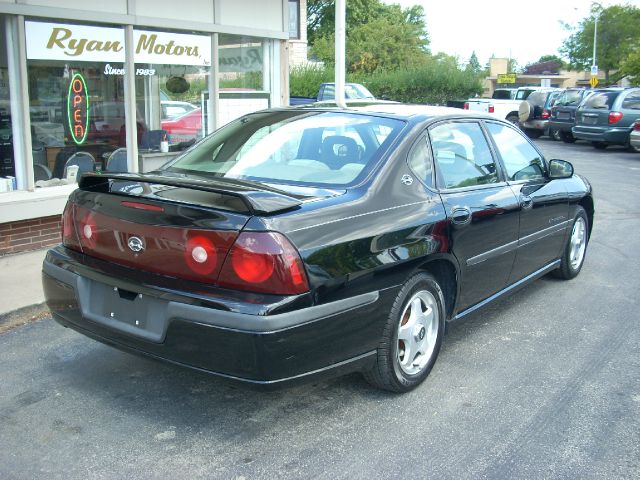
{"points": [[417, 332]]}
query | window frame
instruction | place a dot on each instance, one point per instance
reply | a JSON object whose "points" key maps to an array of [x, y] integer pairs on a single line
{"points": [[439, 184], [298, 32], [545, 163]]}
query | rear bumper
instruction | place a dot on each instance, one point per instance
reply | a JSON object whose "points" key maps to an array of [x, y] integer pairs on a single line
{"points": [[541, 125], [266, 350], [561, 126], [618, 136]]}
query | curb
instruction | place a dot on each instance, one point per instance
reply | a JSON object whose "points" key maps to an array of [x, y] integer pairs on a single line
{"points": [[23, 316]]}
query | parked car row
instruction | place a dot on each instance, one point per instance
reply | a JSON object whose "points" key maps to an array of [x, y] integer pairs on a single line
{"points": [[604, 117]]}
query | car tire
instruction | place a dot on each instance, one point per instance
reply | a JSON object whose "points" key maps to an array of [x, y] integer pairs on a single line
{"points": [[513, 118], [599, 145], [631, 148], [415, 323], [576, 248], [533, 133], [567, 137]]}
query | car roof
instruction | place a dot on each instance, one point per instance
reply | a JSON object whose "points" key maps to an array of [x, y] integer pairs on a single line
{"points": [[394, 109]]}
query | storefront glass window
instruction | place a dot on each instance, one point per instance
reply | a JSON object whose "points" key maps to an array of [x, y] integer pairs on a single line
{"points": [[76, 98], [7, 165], [244, 76], [172, 72]]}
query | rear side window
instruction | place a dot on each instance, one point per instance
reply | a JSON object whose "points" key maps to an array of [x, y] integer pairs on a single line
{"points": [[462, 155], [523, 94], [601, 100], [520, 159], [420, 162], [632, 101]]}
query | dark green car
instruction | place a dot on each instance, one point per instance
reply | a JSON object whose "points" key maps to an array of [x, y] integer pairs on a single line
{"points": [[607, 117]]}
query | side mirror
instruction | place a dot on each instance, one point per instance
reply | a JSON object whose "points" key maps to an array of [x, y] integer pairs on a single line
{"points": [[560, 169]]}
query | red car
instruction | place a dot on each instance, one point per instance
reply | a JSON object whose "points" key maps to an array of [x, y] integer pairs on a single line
{"points": [[185, 128]]}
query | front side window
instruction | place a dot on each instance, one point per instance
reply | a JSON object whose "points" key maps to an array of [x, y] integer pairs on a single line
{"points": [[520, 159], [293, 147], [462, 155]]}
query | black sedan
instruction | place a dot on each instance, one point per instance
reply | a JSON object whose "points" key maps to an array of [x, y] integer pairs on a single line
{"points": [[299, 242]]}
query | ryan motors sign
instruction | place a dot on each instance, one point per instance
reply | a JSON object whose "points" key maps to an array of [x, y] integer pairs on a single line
{"points": [[55, 41]]}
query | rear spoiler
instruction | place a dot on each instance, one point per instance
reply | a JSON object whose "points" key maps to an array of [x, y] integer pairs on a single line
{"points": [[258, 200]]}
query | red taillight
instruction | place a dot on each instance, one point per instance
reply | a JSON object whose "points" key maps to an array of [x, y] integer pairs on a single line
{"points": [[636, 126], [67, 229], [264, 262], [200, 255], [88, 231], [492, 109], [466, 105], [545, 114], [615, 117]]}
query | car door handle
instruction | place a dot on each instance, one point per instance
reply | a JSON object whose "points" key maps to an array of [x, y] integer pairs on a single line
{"points": [[461, 216], [526, 202]]}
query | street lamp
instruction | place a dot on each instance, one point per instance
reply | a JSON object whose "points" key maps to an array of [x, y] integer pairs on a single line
{"points": [[596, 10]]}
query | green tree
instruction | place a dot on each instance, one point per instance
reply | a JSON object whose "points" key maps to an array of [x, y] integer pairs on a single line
{"points": [[474, 65], [378, 35], [631, 68], [551, 58], [618, 36]]}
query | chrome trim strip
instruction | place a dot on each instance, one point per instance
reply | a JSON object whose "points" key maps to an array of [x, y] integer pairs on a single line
{"points": [[359, 215], [495, 296], [501, 250], [508, 247], [545, 232]]}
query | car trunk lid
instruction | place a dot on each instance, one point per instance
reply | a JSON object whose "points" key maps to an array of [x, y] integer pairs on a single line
{"points": [[175, 226]]}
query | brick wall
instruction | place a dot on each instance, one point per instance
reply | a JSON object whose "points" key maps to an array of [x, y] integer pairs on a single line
{"points": [[29, 234]]}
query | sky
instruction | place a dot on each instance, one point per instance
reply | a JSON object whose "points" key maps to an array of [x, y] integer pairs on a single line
{"points": [[512, 29]]}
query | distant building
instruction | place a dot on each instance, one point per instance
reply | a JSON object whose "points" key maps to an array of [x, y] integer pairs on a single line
{"points": [[297, 44], [561, 79]]}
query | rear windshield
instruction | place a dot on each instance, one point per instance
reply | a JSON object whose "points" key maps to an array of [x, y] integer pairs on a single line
{"points": [[601, 100], [502, 95], [569, 98], [538, 98], [299, 147]]}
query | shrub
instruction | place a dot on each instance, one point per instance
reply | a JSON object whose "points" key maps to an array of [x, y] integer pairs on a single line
{"points": [[432, 83]]}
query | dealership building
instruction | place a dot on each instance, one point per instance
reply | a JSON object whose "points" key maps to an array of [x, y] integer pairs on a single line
{"points": [[124, 85]]}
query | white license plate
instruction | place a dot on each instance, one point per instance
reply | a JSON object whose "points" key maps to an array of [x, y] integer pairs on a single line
{"points": [[590, 120], [564, 115]]}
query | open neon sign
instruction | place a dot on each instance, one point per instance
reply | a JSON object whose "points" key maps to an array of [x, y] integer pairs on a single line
{"points": [[78, 109]]}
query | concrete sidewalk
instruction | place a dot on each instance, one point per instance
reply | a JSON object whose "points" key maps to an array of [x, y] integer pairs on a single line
{"points": [[20, 280]]}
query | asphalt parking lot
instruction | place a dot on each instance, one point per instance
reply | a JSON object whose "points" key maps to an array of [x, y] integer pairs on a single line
{"points": [[543, 384]]}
